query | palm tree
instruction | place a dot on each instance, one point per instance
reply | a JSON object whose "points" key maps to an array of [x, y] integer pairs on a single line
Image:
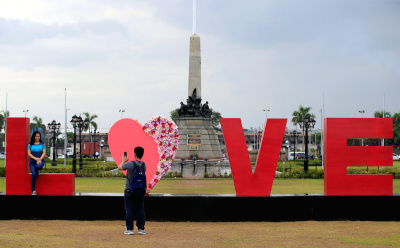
{"points": [[298, 116], [89, 122], [38, 124]]}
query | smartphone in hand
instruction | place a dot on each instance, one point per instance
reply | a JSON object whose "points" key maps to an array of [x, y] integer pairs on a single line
{"points": [[125, 155]]}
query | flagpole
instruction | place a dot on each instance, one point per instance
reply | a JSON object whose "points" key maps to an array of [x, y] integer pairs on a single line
{"points": [[383, 116], [5, 135], [65, 128], [257, 138], [254, 143], [322, 127]]}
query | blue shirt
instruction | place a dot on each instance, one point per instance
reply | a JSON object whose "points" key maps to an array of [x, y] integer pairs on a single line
{"points": [[37, 150]]}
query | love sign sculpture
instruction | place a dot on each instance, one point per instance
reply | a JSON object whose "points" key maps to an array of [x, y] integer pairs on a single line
{"points": [[160, 138]]}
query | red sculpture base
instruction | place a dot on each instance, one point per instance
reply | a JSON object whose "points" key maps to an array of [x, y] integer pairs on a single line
{"points": [[18, 176]]}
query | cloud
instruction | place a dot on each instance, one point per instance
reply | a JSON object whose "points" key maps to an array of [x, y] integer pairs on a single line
{"points": [[256, 55], [21, 32]]}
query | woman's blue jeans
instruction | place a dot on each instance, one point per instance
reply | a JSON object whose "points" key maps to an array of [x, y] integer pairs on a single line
{"points": [[34, 171], [134, 207]]}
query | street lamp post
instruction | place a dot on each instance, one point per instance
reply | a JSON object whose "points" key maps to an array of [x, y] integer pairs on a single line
{"points": [[295, 134], [54, 126], [25, 111], [81, 124], [100, 146], [322, 140], [182, 164], [121, 111], [194, 165], [205, 166], [266, 113], [307, 123], [316, 146], [362, 115], [94, 141], [74, 122]]}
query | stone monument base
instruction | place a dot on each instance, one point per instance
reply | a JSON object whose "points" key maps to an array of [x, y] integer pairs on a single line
{"points": [[198, 138]]}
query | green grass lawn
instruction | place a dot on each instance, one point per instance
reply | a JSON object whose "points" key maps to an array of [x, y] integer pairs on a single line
{"points": [[297, 164], [203, 186], [200, 186]]}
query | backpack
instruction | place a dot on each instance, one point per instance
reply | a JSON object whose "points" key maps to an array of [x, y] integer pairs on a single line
{"points": [[138, 183]]}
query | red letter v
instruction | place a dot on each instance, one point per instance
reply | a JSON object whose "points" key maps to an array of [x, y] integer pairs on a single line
{"points": [[247, 184]]}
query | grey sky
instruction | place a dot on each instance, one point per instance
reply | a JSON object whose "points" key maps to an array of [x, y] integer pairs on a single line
{"points": [[256, 55]]}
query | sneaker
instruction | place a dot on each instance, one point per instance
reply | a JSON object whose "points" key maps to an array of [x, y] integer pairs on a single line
{"points": [[129, 232], [142, 232], [34, 193]]}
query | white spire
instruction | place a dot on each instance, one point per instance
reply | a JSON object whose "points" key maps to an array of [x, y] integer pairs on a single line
{"points": [[194, 17]]}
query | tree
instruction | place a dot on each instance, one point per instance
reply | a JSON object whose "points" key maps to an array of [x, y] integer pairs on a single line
{"points": [[58, 142], [318, 137], [89, 122], [174, 114], [215, 116], [59, 139], [3, 125], [298, 116], [37, 124], [354, 142], [379, 114], [70, 136], [396, 129], [3, 119]]}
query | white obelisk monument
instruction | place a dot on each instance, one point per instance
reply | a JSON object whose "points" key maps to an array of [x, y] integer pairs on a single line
{"points": [[194, 66], [194, 58], [198, 137]]}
